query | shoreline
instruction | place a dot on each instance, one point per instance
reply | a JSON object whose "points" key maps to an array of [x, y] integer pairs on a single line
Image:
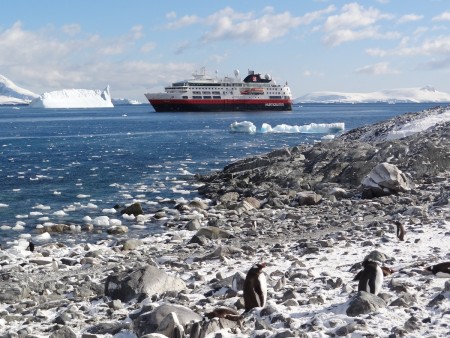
{"points": [[309, 250]]}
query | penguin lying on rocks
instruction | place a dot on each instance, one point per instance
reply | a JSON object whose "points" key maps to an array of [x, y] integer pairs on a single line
{"points": [[223, 312], [370, 278], [255, 287], [440, 270]]}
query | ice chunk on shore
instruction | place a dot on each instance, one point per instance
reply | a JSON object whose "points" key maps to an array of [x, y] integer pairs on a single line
{"points": [[312, 128], [74, 98], [316, 128]]}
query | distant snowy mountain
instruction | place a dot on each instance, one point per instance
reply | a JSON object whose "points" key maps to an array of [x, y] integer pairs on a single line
{"points": [[400, 95], [10, 93], [74, 98]]}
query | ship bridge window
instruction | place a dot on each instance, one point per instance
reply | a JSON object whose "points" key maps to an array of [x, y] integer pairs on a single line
{"points": [[196, 97], [195, 92], [216, 93], [206, 97], [184, 97], [207, 93], [217, 97]]}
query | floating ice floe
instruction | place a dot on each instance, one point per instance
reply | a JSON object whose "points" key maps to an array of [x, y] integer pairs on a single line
{"points": [[243, 127], [312, 128], [59, 213], [101, 221], [44, 237], [109, 211]]}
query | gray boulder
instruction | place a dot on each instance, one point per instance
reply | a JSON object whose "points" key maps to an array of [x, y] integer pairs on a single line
{"points": [[213, 233], [131, 244], [12, 293], [134, 209], [308, 198], [385, 179], [364, 303], [64, 332], [203, 329], [155, 321], [148, 280]]}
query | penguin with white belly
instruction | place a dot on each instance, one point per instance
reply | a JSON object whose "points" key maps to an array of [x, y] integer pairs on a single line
{"points": [[255, 287], [371, 277], [441, 270]]}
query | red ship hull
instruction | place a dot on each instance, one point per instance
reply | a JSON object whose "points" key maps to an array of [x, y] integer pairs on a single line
{"points": [[220, 105]]}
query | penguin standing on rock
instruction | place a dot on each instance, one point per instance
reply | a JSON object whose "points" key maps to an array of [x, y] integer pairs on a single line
{"points": [[255, 287], [440, 270], [400, 230], [370, 278], [30, 246]]}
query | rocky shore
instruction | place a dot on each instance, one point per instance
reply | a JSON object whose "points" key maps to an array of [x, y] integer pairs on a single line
{"points": [[312, 213]]}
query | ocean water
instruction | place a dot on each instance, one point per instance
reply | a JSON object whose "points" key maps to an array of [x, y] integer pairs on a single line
{"points": [[59, 166]]}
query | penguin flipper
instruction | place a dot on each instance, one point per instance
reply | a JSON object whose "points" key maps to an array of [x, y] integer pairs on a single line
{"points": [[259, 295], [358, 275]]}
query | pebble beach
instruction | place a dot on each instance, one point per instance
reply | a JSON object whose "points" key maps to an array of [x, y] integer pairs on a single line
{"points": [[303, 211]]}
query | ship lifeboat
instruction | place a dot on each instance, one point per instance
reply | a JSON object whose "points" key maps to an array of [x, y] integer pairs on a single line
{"points": [[252, 91]]}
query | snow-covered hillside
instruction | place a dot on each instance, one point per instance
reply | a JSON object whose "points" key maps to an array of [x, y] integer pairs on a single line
{"points": [[10, 93], [400, 95]]}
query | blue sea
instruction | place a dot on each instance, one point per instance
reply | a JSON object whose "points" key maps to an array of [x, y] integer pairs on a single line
{"points": [[69, 166]]}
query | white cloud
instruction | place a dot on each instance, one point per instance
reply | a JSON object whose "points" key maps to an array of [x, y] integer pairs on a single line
{"points": [[72, 29], [171, 15], [376, 52], [444, 16], [228, 24], [184, 21], [50, 63], [262, 29], [433, 46], [381, 68], [310, 73], [409, 18], [148, 47], [355, 22], [354, 15]]}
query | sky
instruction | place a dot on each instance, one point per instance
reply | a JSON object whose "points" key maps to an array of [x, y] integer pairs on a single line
{"points": [[142, 46]]}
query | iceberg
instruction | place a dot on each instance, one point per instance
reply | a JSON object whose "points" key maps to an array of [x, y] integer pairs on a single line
{"points": [[124, 102], [74, 98], [312, 128]]}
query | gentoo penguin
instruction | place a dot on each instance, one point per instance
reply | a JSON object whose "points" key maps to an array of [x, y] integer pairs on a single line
{"points": [[386, 272], [440, 270], [400, 230], [255, 287], [30, 246], [370, 278]]}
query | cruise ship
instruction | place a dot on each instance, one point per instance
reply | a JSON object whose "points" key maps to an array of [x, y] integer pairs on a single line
{"points": [[203, 93]]}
